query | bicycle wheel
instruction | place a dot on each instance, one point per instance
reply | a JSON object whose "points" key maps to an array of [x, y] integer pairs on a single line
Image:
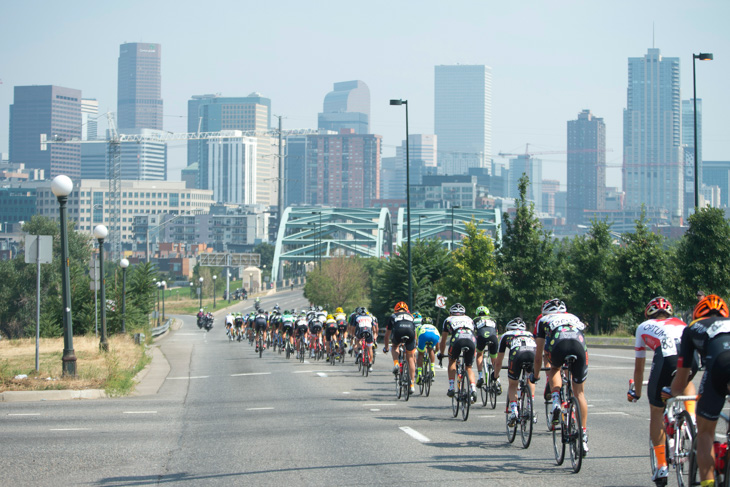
{"points": [[260, 345], [526, 416], [406, 381], [427, 379], [684, 433], [366, 365], [302, 352], [575, 435], [492, 387], [559, 431], [484, 390], [457, 395], [465, 396]]}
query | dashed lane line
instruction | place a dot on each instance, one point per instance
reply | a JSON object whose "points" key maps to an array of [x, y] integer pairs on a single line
{"points": [[251, 373], [139, 412], [24, 414], [414, 434], [259, 409]]}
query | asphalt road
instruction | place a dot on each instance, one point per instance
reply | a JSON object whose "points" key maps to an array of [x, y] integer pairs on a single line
{"points": [[226, 417]]}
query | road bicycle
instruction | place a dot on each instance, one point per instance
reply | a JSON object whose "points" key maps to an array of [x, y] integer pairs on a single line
{"points": [[403, 377], [569, 431], [490, 387], [525, 413], [722, 453], [549, 397], [364, 357], [680, 432], [427, 371], [260, 343], [461, 400], [302, 349]]}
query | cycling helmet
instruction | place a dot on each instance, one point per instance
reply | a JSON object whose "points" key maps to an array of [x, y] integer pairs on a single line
{"points": [[658, 305], [330, 317], [319, 308], [339, 310], [482, 311], [417, 315], [711, 305], [427, 321], [201, 310], [363, 310], [400, 306], [553, 306], [457, 309], [516, 324]]}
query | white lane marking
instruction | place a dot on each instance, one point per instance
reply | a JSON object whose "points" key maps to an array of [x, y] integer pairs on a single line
{"points": [[258, 409], [321, 374], [139, 412], [492, 416], [375, 410], [69, 429], [380, 404], [24, 414], [611, 412], [414, 434], [251, 373], [346, 392], [187, 334], [186, 378], [592, 354]]}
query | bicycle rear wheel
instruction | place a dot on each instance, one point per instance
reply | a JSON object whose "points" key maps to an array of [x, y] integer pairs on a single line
{"points": [[559, 432], [366, 365], [492, 389], [526, 416], [456, 397], [427, 379], [465, 396], [683, 436], [484, 390], [406, 381], [575, 435], [260, 344]]}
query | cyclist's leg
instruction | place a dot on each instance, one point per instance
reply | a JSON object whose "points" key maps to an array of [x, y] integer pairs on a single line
{"points": [[705, 451]]}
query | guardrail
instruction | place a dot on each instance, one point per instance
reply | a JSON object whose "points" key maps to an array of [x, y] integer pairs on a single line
{"points": [[155, 332]]}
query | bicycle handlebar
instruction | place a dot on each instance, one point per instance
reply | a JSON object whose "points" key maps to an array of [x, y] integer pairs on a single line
{"points": [[674, 399]]}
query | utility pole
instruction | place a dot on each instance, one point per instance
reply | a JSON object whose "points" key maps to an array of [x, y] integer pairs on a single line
{"points": [[280, 202]]}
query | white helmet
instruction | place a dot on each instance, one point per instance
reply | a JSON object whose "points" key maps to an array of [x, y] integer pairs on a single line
{"points": [[516, 324], [457, 309], [553, 306]]}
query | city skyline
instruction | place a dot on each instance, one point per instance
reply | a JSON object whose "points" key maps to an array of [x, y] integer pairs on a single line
{"points": [[543, 73]]}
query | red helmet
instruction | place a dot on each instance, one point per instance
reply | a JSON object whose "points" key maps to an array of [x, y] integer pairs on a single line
{"points": [[657, 305], [401, 306]]}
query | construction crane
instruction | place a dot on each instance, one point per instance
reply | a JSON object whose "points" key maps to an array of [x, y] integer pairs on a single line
{"points": [[527, 154]]}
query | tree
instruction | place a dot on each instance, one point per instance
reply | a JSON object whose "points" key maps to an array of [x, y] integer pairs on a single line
{"points": [[591, 263], [342, 281], [526, 259], [640, 275], [475, 277], [703, 257]]}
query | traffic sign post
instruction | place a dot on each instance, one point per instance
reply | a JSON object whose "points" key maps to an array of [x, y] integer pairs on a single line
{"points": [[38, 250], [440, 301]]}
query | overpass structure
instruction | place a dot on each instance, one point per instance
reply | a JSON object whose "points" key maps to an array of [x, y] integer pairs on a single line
{"points": [[446, 224], [311, 234]]}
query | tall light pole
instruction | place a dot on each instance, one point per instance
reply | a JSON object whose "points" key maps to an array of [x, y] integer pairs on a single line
{"points": [[215, 277], [100, 233], [124, 263], [201, 292], [163, 286], [62, 187], [191, 290], [703, 56], [408, 202], [455, 207], [159, 285], [319, 237]]}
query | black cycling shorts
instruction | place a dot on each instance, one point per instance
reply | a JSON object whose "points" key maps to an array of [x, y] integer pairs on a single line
{"points": [[520, 358], [715, 382], [661, 375], [487, 338], [407, 333], [330, 332], [562, 347], [366, 335], [463, 341]]}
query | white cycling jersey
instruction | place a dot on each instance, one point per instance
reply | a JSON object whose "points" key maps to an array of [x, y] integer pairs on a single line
{"points": [[664, 334]]}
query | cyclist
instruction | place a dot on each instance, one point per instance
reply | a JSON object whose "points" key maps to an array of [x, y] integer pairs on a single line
{"points": [[315, 332], [366, 330], [709, 335], [249, 325], [461, 328], [521, 346], [287, 327], [229, 325], [560, 334], [330, 332], [661, 333], [417, 318], [341, 319], [302, 330], [426, 334], [260, 323], [401, 326], [487, 338]]}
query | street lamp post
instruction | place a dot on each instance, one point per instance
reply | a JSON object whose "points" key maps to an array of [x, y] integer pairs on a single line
{"points": [[124, 263], [408, 202], [163, 286], [201, 292], [455, 207], [228, 274], [319, 237], [159, 285], [100, 233], [703, 56], [62, 187], [214, 279], [191, 290]]}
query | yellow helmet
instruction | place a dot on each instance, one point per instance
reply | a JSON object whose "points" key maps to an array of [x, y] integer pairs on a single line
{"points": [[339, 310], [330, 317]]}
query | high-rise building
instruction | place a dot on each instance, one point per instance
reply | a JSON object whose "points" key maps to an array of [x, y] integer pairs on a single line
{"points": [[347, 107], [422, 149], [343, 170], [463, 117], [653, 156], [717, 173], [50, 110], [688, 142], [89, 114], [145, 160], [232, 169], [532, 167], [139, 92], [295, 169], [214, 113], [586, 165]]}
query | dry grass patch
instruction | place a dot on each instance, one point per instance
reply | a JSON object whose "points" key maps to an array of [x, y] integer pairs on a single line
{"points": [[112, 371]]}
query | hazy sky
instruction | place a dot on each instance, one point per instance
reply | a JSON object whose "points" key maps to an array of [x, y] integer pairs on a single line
{"points": [[549, 59]]}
